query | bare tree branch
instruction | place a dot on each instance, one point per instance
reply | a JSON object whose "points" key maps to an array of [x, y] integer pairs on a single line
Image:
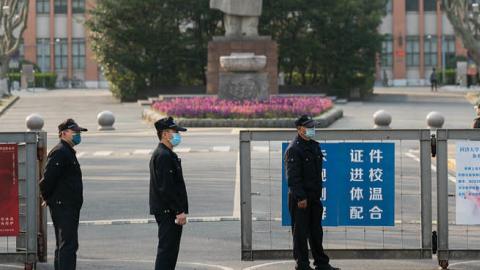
{"points": [[466, 27], [13, 17], [13, 22]]}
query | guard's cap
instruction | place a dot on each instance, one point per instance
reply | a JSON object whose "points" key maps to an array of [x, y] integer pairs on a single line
{"points": [[70, 124], [305, 121], [168, 123]]}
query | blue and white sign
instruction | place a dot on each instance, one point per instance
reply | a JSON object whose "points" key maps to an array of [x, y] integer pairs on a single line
{"points": [[468, 183], [358, 184]]}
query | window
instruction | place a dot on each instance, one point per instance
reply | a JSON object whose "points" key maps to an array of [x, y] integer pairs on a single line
{"points": [[78, 54], [43, 6], [61, 53], [78, 6], [450, 51], [43, 54], [61, 6], [430, 5], [430, 47], [413, 51], [387, 51], [411, 5], [389, 6]]}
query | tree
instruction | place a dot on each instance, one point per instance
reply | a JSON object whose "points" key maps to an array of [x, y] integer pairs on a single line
{"points": [[13, 22], [466, 24], [151, 43], [328, 43], [155, 43]]}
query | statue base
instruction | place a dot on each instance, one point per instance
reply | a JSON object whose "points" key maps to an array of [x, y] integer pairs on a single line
{"points": [[243, 86], [225, 46], [241, 38]]}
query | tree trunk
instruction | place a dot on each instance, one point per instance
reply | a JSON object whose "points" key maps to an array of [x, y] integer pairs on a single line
{"points": [[304, 77], [290, 75], [4, 77], [456, 12]]}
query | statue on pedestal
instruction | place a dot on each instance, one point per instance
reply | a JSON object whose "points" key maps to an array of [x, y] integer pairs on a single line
{"points": [[241, 16]]}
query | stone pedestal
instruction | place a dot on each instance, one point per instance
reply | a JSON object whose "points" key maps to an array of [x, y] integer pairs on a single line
{"points": [[241, 86], [222, 46]]}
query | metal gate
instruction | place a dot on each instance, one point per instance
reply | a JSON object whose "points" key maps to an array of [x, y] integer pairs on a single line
{"points": [[262, 235], [30, 244], [455, 242]]}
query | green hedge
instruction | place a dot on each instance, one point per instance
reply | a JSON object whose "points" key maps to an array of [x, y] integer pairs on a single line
{"points": [[45, 80], [450, 77]]}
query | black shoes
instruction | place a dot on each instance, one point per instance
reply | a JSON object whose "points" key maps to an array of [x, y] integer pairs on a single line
{"points": [[323, 268], [328, 268]]}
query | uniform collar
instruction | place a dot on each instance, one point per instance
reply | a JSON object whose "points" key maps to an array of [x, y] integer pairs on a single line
{"points": [[301, 140], [66, 144], [304, 143], [161, 145]]}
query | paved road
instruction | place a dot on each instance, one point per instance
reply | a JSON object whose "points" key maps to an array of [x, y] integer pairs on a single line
{"points": [[116, 230]]}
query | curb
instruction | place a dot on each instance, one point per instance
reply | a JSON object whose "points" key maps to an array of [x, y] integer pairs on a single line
{"points": [[9, 104], [151, 220], [324, 120]]}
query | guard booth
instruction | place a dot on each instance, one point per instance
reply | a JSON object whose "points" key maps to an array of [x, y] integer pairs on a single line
{"points": [[23, 220]]}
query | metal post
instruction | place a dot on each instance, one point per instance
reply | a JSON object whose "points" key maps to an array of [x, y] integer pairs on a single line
{"points": [[442, 197], [42, 210], [245, 195], [32, 195], [426, 192]]}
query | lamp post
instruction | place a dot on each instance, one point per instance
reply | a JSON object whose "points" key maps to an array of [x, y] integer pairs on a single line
{"points": [[43, 55], [444, 58]]}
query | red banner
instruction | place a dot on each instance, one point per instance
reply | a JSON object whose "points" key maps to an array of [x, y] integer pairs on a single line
{"points": [[9, 225]]}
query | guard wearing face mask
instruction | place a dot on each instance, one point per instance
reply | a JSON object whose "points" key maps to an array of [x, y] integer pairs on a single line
{"points": [[303, 162], [62, 190], [168, 195]]}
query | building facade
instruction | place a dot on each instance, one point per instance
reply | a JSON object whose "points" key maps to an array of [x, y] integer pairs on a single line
{"points": [[418, 38], [56, 39]]}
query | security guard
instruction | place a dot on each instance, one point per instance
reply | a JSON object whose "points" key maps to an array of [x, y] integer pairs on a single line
{"points": [[62, 190], [303, 162], [168, 195]]}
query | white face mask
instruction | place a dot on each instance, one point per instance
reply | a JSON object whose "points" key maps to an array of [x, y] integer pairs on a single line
{"points": [[310, 133]]}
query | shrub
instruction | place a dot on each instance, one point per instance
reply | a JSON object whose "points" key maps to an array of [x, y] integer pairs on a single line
{"points": [[450, 76], [47, 79]]}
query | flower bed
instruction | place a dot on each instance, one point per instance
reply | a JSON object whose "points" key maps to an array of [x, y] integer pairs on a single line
{"points": [[213, 107]]}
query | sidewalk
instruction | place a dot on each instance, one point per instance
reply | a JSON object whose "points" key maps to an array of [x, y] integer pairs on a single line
{"points": [[82, 105], [445, 91], [214, 245]]}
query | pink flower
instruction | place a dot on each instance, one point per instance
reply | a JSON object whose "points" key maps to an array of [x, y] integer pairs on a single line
{"points": [[213, 107]]}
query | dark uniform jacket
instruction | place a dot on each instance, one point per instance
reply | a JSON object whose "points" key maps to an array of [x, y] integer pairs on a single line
{"points": [[62, 178], [476, 122], [167, 186], [303, 163]]}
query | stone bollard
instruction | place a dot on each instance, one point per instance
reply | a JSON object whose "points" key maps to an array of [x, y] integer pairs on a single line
{"points": [[382, 119], [435, 120], [34, 122], [105, 120]]}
